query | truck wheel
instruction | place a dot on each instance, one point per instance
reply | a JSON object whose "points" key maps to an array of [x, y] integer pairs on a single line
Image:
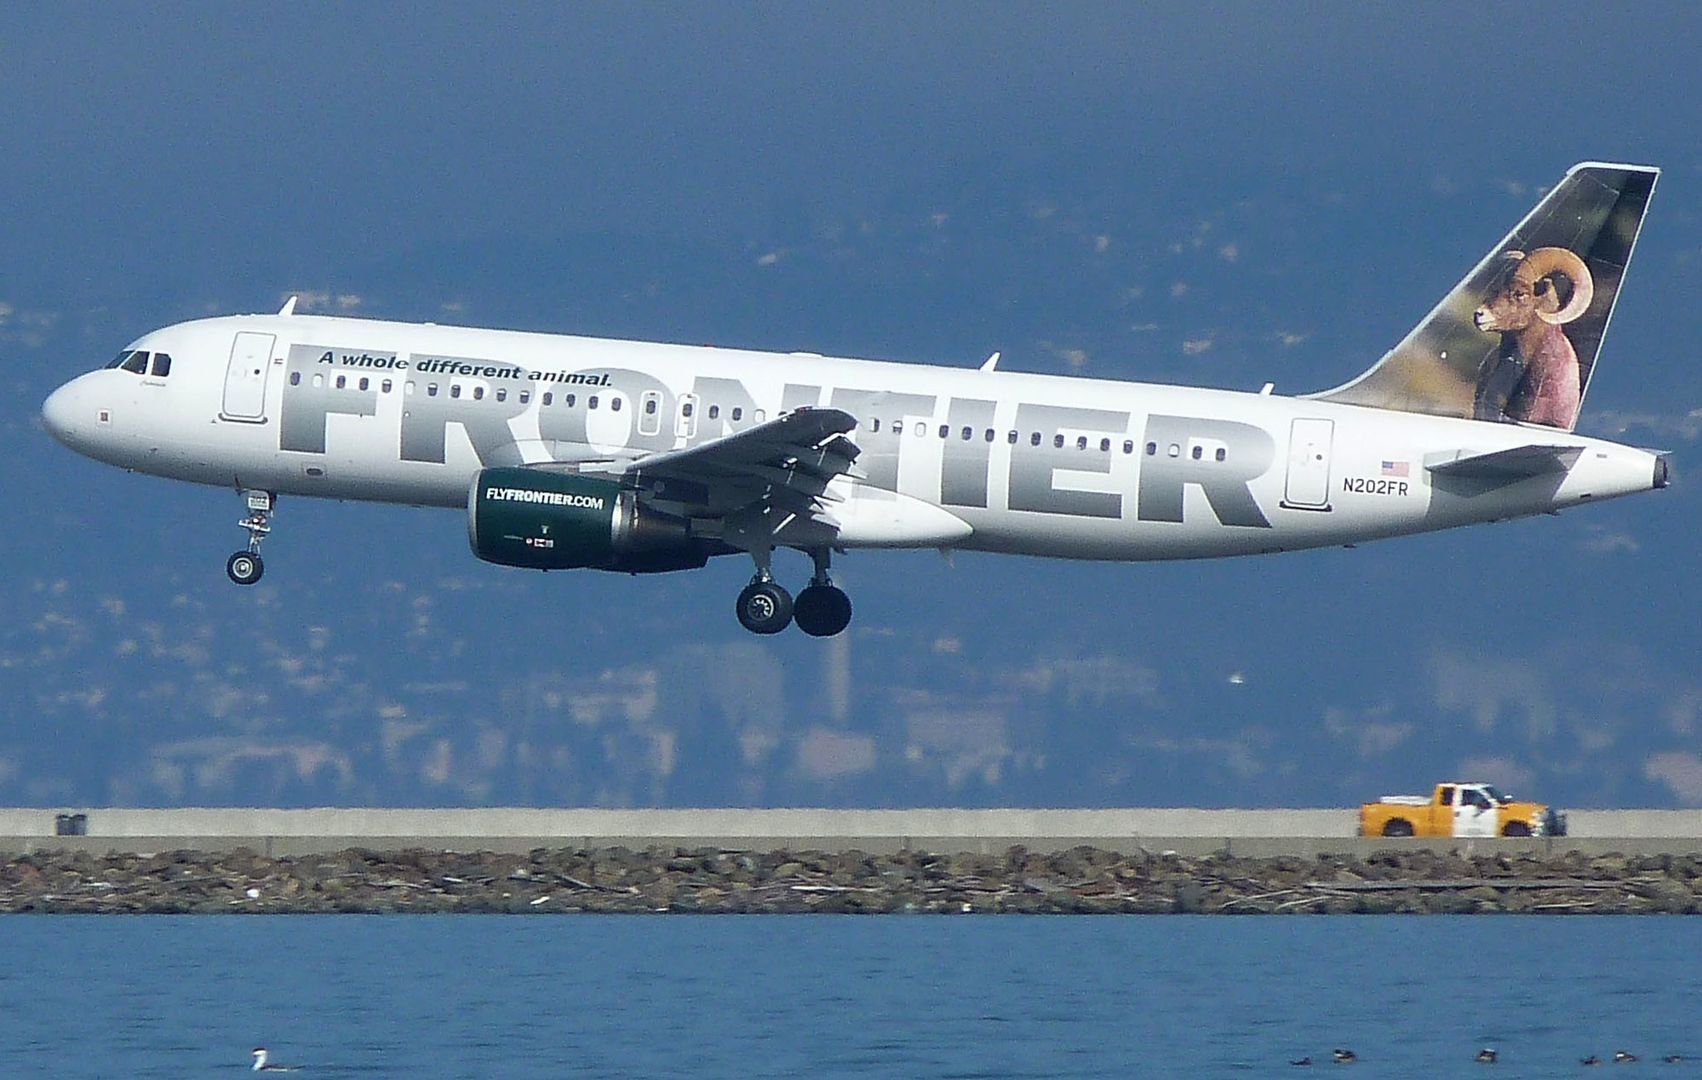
{"points": [[1516, 828], [1398, 827]]}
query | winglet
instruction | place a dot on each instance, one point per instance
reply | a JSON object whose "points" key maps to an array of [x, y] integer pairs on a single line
{"points": [[289, 306]]}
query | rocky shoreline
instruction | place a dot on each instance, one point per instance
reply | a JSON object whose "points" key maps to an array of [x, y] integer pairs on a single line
{"points": [[712, 880]]}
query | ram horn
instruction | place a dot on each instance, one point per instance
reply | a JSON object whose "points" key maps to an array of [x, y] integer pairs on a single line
{"points": [[1553, 260]]}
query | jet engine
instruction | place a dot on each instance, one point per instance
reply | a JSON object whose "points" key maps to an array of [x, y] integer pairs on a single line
{"points": [[547, 520]]}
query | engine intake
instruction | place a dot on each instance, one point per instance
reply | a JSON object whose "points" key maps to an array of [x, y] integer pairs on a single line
{"points": [[545, 520]]}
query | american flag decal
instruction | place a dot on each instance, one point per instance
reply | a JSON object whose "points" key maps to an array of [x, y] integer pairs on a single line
{"points": [[1394, 468]]}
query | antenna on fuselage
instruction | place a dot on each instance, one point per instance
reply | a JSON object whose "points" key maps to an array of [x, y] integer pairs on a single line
{"points": [[289, 306], [990, 363]]}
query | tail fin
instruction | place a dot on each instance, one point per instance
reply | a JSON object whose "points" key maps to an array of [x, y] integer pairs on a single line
{"points": [[1517, 339]]}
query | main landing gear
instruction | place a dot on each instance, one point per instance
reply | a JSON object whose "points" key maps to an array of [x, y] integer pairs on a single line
{"points": [[245, 567], [821, 610]]}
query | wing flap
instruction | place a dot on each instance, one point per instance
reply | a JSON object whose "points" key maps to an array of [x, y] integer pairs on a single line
{"points": [[787, 462]]}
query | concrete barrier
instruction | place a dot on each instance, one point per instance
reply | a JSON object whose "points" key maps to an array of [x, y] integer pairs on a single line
{"points": [[661, 824], [1255, 833]]}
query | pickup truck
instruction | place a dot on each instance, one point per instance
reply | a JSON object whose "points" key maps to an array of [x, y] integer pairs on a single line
{"points": [[1459, 808]]}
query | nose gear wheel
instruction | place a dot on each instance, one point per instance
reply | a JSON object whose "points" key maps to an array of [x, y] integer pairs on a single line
{"points": [[245, 568]]}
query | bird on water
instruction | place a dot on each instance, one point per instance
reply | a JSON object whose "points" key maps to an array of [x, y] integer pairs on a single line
{"points": [[263, 1062], [1344, 1057]]}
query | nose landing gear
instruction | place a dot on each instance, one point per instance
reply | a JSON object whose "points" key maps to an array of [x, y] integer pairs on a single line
{"points": [[246, 567]]}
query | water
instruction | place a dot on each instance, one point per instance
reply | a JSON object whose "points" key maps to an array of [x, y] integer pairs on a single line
{"points": [[959, 997]]}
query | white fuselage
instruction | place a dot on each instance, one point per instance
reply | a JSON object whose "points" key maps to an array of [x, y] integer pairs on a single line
{"points": [[979, 459]]}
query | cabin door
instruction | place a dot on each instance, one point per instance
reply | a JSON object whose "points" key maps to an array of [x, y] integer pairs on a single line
{"points": [[650, 413], [245, 378], [1309, 465], [685, 426]]}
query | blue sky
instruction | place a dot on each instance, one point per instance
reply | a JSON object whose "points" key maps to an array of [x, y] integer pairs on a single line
{"points": [[1215, 195]]}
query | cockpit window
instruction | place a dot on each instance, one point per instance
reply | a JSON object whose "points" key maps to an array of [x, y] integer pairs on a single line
{"points": [[136, 363], [118, 361], [162, 365]]}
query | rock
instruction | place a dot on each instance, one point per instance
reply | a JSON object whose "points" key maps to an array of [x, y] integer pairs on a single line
{"points": [[1190, 898]]}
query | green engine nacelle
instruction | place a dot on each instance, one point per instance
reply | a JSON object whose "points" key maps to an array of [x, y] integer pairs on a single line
{"points": [[546, 520]]}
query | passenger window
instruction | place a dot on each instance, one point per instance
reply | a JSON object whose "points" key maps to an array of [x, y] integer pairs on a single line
{"points": [[385, 386], [738, 414], [162, 365], [342, 381], [318, 380], [874, 425], [968, 433], [137, 364], [431, 389], [1198, 452], [1128, 446], [1104, 445], [759, 416], [990, 435], [550, 397], [1151, 449], [591, 402], [1081, 442], [714, 412], [1010, 437], [921, 429], [614, 404], [502, 393], [365, 382], [478, 393], [570, 400], [1034, 439], [650, 408], [454, 390], [685, 408], [525, 397], [945, 430], [295, 378], [1057, 442], [1175, 450], [1222, 453]]}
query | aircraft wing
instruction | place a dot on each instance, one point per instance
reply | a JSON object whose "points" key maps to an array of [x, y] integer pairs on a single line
{"points": [[1515, 464], [786, 462]]}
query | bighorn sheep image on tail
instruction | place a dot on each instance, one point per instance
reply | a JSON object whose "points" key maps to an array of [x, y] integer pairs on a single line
{"points": [[1534, 376]]}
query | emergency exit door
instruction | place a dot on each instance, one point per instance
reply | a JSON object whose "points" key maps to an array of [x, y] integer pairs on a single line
{"points": [[1309, 465], [245, 378]]}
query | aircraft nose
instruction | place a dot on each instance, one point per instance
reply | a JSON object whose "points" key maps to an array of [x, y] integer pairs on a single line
{"points": [[56, 413], [61, 413]]}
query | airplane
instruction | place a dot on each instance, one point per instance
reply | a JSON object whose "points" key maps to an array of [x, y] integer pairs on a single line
{"points": [[637, 457]]}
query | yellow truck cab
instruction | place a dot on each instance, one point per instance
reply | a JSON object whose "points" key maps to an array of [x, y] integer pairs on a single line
{"points": [[1459, 808]]}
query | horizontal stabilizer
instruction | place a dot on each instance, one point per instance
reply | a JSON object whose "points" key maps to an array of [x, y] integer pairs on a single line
{"points": [[1514, 464]]}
